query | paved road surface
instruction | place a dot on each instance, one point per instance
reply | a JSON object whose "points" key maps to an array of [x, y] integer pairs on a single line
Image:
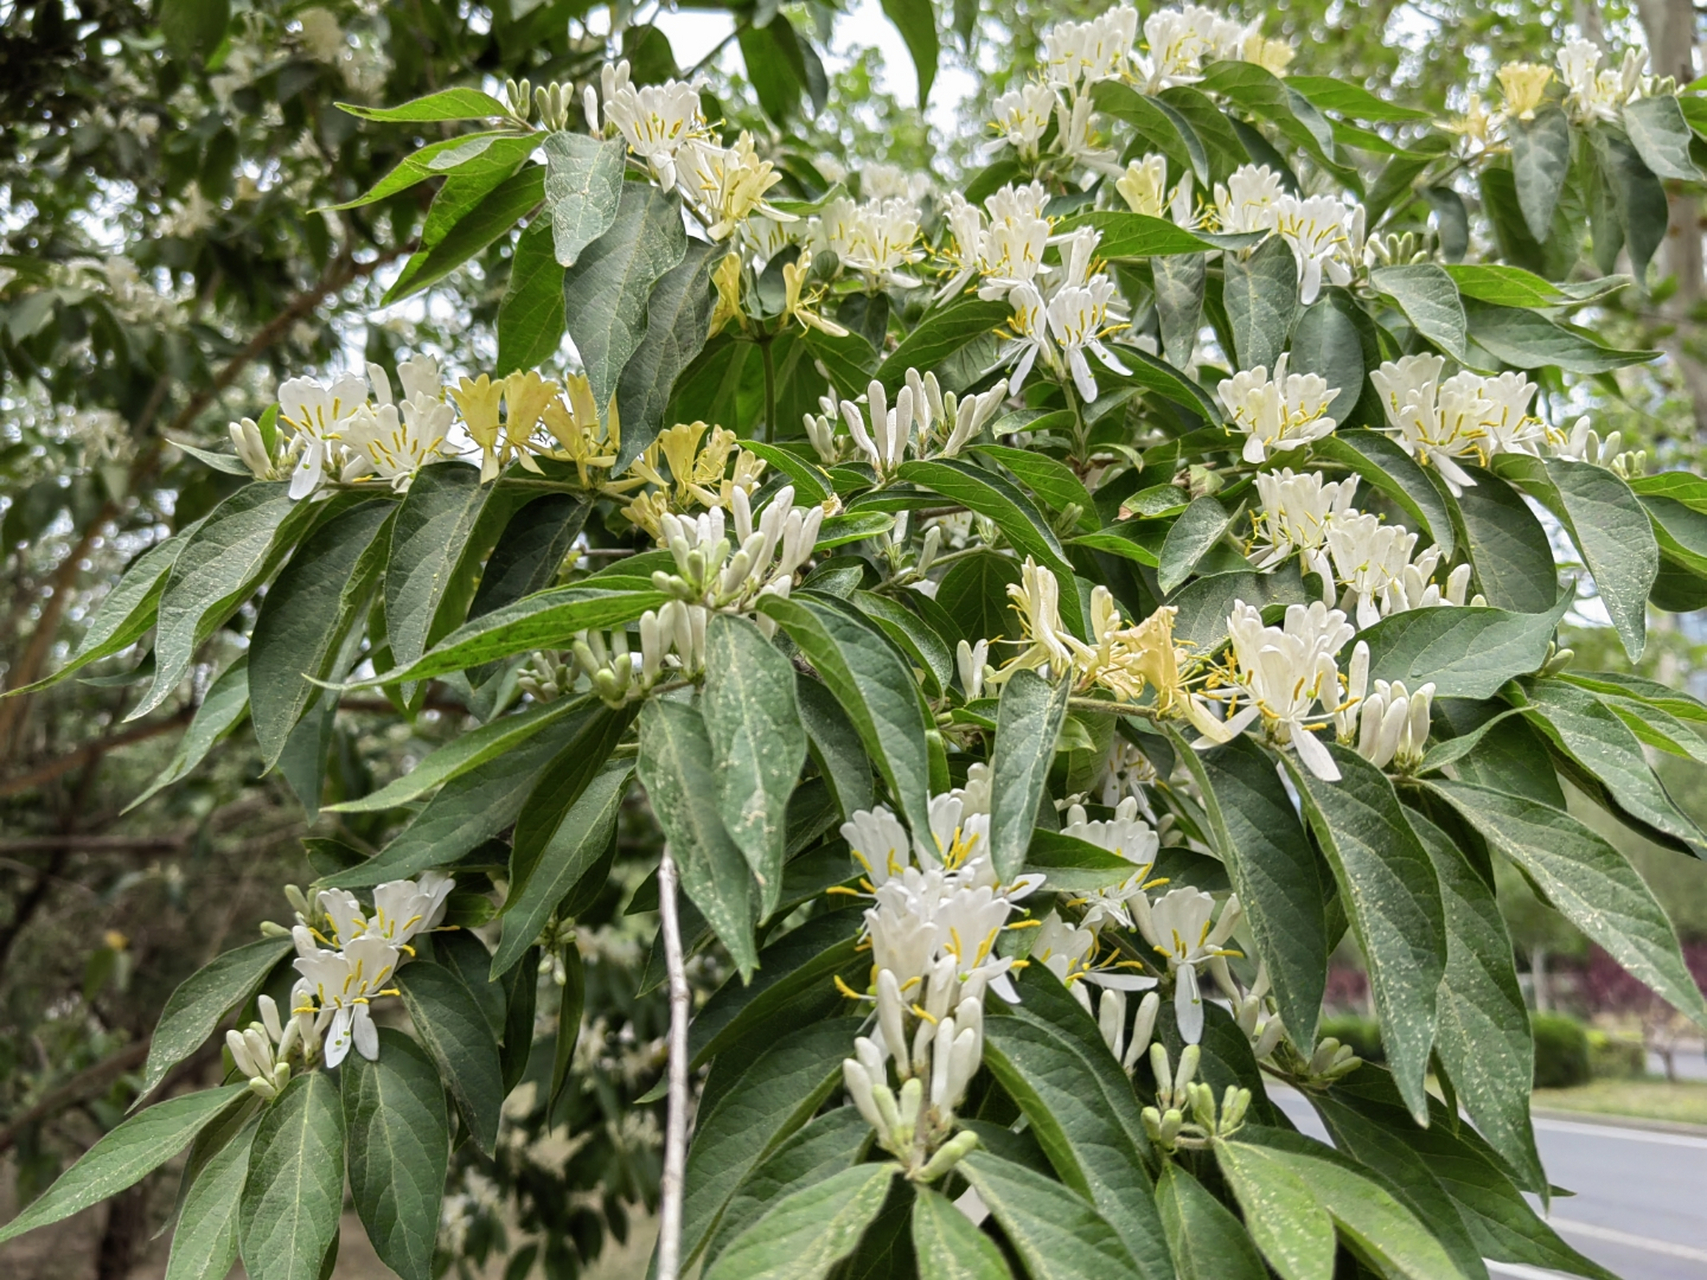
{"points": [[1641, 1203]]}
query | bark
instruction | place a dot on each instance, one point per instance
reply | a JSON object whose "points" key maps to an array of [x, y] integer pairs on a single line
{"points": [[127, 1231]]}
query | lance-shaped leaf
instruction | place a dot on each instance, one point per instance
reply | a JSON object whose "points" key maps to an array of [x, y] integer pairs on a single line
{"points": [[1378, 461], [605, 291], [1050, 1056], [1637, 194], [1057, 1234], [677, 767], [458, 1035], [949, 1247], [983, 491], [1206, 1240], [399, 1138], [222, 710], [305, 617], [1392, 897], [1429, 299], [1260, 292], [1325, 341], [1191, 537], [1483, 1037], [446, 104], [583, 186], [1662, 136], [1588, 881], [1467, 653], [1180, 285], [835, 745], [232, 551], [810, 1230], [1291, 1228], [1028, 721], [124, 1156], [428, 537], [678, 318], [939, 335], [873, 685], [1529, 340], [195, 1009], [1540, 159], [495, 213], [1508, 546], [758, 744], [204, 1241], [294, 1194], [530, 317], [1277, 875]]}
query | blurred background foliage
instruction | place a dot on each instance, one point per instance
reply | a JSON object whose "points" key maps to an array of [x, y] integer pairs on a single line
{"points": [[168, 255]]}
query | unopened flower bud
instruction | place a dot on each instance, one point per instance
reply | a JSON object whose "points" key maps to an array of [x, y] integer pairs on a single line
{"points": [[948, 1155]]}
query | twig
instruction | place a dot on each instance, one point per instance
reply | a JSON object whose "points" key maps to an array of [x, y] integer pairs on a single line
{"points": [[86, 1083], [676, 1127], [91, 751]]}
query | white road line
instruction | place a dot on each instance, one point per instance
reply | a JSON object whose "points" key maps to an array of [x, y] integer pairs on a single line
{"points": [[1618, 1131], [1645, 1243]]}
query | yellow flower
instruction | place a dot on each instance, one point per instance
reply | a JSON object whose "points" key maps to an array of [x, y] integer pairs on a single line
{"points": [[796, 306], [1145, 656], [1144, 186], [730, 183], [1477, 125], [646, 510], [1525, 85], [526, 396], [1273, 56], [478, 399], [576, 427], [727, 278]]}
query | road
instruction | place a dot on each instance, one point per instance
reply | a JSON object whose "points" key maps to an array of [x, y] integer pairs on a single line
{"points": [[1641, 1203]]}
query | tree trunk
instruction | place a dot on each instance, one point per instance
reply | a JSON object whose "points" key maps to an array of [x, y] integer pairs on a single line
{"points": [[127, 1230], [1538, 980]]}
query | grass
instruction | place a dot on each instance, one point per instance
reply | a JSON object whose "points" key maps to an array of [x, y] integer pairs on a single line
{"points": [[1684, 1102]]}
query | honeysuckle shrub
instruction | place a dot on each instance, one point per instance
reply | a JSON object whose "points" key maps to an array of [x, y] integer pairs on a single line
{"points": [[1043, 618]]}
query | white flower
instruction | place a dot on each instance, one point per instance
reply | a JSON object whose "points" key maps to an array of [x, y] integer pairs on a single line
{"points": [[891, 429], [1278, 414], [727, 184], [1011, 254], [1076, 139], [1323, 233], [1178, 926], [394, 441], [1144, 186], [1078, 54], [1079, 319], [1178, 41], [319, 415], [346, 982], [1295, 515], [1370, 558], [1393, 725], [1023, 116], [876, 238], [657, 121], [1127, 835], [973, 661], [1583, 444], [1467, 414], [966, 236], [1249, 200], [962, 417], [1593, 94], [765, 558], [1037, 599]]}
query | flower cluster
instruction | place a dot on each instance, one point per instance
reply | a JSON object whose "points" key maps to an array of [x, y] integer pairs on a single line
{"points": [[933, 930], [884, 435], [1438, 421], [876, 238], [1277, 414], [339, 435], [672, 643], [762, 561], [1325, 233], [263, 1050], [1591, 93], [362, 949]]}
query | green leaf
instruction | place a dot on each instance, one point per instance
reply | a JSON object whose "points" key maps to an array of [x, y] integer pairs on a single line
{"points": [[1392, 897], [1277, 875], [447, 104], [1592, 735], [305, 617], [1376, 1226], [229, 463], [429, 537], [222, 710], [1260, 292], [193, 26], [530, 317], [1074, 865], [678, 769], [775, 66], [1483, 1037], [808, 1231], [835, 745], [949, 1247], [974, 593], [529, 553], [1050, 480], [204, 1242], [1159, 125], [773, 1097], [1029, 717], [875, 689], [803, 960], [497, 213], [1057, 1235], [1640, 197], [229, 553], [545, 620], [1285, 1219], [939, 335], [1325, 341], [983, 491], [1377, 460], [399, 1132], [455, 1031], [916, 21], [1352, 100], [1588, 881], [1661, 136], [294, 1194], [926, 650], [462, 754], [1181, 283], [583, 188], [1610, 528], [605, 292], [204, 998], [1191, 537], [1430, 301], [1050, 1057], [811, 482], [1529, 340], [758, 744], [1540, 159], [570, 850], [1504, 286], [1511, 552], [678, 318], [467, 155], [1205, 602], [1467, 653], [1136, 237], [124, 1156], [1206, 1240]]}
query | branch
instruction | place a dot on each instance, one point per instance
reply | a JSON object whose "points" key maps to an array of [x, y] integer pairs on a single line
{"points": [[676, 1127], [91, 751], [86, 1083], [94, 844]]}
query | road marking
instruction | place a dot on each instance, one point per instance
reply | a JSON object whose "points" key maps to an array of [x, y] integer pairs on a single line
{"points": [[1646, 1243], [1618, 1131]]}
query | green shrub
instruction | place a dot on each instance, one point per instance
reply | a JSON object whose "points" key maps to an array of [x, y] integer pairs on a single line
{"points": [[1362, 1034], [1561, 1051], [1616, 1056]]}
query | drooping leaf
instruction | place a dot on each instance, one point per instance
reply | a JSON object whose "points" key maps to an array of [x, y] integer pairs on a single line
{"points": [[1392, 898], [1285, 1219], [204, 1241], [124, 1156], [530, 317], [1260, 293], [1429, 299], [981, 490], [1057, 1235], [1661, 136], [916, 20], [1529, 340], [583, 187], [1637, 194], [677, 317], [1206, 1240], [429, 537], [495, 214], [399, 1140], [222, 710], [1540, 159], [1028, 721], [605, 292], [1180, 285], [466, 154], [294, 1194], [457, 1034], [195, 1009], [808, 1231], [1466, 653], [939, 335], [835, 745], [679, 771], [948, 1246], [1325, 341]]}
